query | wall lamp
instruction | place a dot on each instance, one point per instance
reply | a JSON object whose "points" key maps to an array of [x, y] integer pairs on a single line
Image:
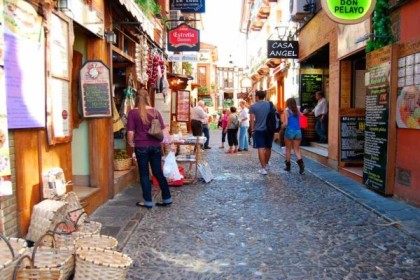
{"points": [[110, 37]]}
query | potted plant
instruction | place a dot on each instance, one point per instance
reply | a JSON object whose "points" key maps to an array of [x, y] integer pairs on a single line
{"points": [[122, 161], [203, 90]]}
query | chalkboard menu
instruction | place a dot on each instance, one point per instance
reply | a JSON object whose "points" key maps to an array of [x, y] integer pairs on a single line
{"points": [[376, 134], [352, 139], [309, 84], [95, 90], [183, 106]]}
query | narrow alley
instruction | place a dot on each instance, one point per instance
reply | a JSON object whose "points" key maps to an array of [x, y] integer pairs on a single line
{"points": [[243, 225]]}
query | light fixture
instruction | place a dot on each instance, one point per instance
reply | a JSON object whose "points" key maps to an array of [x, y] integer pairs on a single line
{"points": [[281, 31], [110, 37], [62, 4]]}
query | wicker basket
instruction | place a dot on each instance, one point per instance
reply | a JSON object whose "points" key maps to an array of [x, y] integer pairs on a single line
{"points": [[96, 241], [75, 209], [96, 263], [11, 249], [64, 236], [123, 164], [45, 263]]}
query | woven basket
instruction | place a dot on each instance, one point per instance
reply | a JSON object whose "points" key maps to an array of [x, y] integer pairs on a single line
{"points": [[75, 209], [123, 164], [65, 236], [45, 263], [11, 249], [96, 241], [96, 263], [45, 216]]}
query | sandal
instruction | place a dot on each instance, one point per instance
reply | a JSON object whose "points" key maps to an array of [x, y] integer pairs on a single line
{"points": [[141, 204], [229, 152], [163, 204]]}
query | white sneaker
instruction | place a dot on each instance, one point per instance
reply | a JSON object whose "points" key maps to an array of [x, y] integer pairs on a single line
{"points": [[267, 167], [262, 171]]}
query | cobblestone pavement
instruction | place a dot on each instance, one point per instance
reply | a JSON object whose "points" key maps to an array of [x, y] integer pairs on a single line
{"points": [[244, 225]]}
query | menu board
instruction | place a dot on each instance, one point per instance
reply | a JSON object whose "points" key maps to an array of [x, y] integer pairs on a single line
{"points": [[309, 84], [376, 133], [183, 106], [352, 138], [95, 90]]}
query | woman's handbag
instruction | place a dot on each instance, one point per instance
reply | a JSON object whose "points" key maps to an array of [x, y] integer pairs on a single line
{"points": [[155, 128], [303, 121]]}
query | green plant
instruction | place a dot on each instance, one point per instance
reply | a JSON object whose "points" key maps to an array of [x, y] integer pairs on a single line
{"points": [[213, 87], [121, 154], [382, 30], [149, 7], [187, 67], [203, 89]]}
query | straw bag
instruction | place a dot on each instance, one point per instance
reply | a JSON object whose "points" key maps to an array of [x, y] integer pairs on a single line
{"points": [[96, 241], [96, 263], [45, 263], [11, 249], [155, 129]]}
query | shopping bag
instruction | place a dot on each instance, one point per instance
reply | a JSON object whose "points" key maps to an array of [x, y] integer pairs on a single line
{"points": [[170, 168], [205, 172]]}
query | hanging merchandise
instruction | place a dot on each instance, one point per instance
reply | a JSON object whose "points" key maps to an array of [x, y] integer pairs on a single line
{"points": [[116, 119], [128, 102], [165, 85], [141, 59]]}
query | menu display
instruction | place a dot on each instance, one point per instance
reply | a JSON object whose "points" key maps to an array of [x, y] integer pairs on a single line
{"points": [[95, 90], [183, 106], [352, 138], [376, 134], [309, 84]]}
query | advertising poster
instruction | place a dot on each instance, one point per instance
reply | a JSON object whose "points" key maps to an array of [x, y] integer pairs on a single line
{"points": [[24, 65], [408, 100]]}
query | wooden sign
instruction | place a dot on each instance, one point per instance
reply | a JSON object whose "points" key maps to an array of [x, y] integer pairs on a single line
{"points": [[95, 90]]}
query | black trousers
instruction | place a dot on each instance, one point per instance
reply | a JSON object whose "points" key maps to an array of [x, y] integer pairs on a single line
{"points": [[197, 128]]}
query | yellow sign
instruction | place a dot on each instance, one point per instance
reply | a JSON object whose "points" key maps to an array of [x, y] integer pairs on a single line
{"points": [[348, 11]]}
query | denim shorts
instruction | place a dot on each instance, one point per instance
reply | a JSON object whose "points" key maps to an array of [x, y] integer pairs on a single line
{"points": [[292, 134], [263, 139]]}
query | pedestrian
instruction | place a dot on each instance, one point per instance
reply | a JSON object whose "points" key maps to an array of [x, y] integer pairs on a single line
{"points": [[321, 115], [244, 125], [147, 149], [198, 115], [224, 120], [206, 130], [292, 134], [232, 131], [262, 139]]}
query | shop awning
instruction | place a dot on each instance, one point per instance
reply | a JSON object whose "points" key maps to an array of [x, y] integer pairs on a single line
{"points": [[138, 14]]}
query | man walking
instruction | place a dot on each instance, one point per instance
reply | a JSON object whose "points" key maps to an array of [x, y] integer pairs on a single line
{"points": [[262, 139]]}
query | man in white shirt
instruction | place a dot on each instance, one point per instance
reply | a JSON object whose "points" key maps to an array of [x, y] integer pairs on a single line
{"points": [[198, 117], [320, 112]]}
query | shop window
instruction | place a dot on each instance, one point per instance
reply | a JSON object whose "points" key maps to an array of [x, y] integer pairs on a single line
{"points": [[358, 83]]}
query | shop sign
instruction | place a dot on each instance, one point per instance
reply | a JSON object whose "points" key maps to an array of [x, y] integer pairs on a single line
{"points": [[183, 58], [348, 11], [184, 39], [95, 90], [189, 6], [282, 49]]}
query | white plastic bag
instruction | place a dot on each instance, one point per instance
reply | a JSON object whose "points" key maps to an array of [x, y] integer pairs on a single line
{"points": [[170, 168]]}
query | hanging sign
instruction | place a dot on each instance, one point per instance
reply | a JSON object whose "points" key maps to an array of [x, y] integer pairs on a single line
{"points": [[188, 6], [282, 49], [348, 11], [95, 90], [184, 38]]}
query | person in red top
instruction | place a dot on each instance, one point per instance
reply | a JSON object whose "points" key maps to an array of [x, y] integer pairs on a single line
{"points": [[147, 149], [224, 125]]}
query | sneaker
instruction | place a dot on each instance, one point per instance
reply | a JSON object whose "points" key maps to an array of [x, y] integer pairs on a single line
{"points": [[262, 171], [267, 167]]}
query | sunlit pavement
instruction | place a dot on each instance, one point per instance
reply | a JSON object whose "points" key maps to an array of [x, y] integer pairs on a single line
{"points": [[243, 225]]}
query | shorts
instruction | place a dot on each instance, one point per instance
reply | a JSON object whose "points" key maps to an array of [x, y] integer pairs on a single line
{"points": [[292, 134], [262, 139]]}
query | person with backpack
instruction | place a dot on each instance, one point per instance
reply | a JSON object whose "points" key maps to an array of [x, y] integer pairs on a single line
{"points": [[262, 138], [292, 134], [232, 131]]}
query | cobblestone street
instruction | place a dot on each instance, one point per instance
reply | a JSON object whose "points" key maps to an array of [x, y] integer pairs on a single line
{"points": [[244, 225]]}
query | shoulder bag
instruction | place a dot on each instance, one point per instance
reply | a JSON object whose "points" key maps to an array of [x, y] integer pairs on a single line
{"points": [[155, 129]]}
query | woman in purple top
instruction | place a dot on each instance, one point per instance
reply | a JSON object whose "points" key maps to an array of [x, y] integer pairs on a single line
{"points": [[147, 149]]}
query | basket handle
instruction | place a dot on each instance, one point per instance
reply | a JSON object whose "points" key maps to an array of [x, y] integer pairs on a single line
{"points": [[8, 245], [16, 269], [39, 242], [55, 231], [78, 218]]}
